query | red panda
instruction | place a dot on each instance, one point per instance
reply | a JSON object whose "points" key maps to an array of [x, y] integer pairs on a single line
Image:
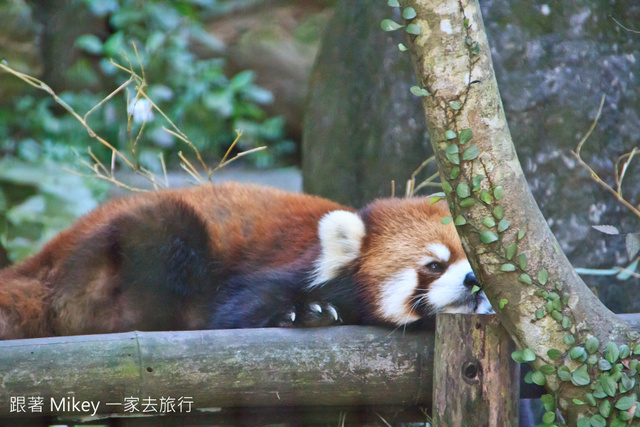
{"points": [[239, 256]]}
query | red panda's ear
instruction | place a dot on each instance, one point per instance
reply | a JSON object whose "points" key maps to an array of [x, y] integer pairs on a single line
{"points": [[341, 235]]}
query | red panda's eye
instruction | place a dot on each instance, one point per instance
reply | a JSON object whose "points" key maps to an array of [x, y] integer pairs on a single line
{"points": [[435, 267]]}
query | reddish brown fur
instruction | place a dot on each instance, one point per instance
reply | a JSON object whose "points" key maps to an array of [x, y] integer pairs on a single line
{"points": [[41, 297]]}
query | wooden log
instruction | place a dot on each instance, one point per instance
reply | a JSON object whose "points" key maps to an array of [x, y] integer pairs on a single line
{"points": [[335, 366], [339, 367], [474, 379]]}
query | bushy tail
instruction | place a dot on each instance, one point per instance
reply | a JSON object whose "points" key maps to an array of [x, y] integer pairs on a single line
{"points": [[23, 312]]}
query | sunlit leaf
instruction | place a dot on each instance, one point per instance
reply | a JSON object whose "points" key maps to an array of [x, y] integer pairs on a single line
{"points": [[390, 25]]}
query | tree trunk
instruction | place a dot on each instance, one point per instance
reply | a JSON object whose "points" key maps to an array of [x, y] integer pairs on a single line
{"points": [[355, 103], [538, 297]]}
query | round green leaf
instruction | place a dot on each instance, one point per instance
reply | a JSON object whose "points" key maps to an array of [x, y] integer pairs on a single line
{"points": [[488, 237], [511, 250], [528, 377], [528, 355], [413, 29], [525, 278], [419, 91], [583, 422], [520, 234], [477, 180], [554, 354], [549, 402], [402, 47], [569, 339], [566, 322], [580, 377], [463, 190], [548, 369], [390, 25], [455, 172], [455, 105], [627, 382], [605, 408], [577, 353], [592, 345], [598, 421], [625, 351], [543, 276], [460, 220], [393, 3], [488, 222], [475, 289], [485, 196], [446, 220], [503, 225], [453, 158], [470, 153], [608, 385], [549, 417], [465, 135], [468, 202], [626, 402], [517, 356], [498, 192], [522, 261], [503, 302], [539, 313], [409, 13], [498, 212], [449, 134], [564, 373], [508, 267], [611, 352], [446, 187]]}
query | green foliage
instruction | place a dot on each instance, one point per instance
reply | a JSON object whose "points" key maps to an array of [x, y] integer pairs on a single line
{"points": [[184, 71], [186, 79], [38, 200]]}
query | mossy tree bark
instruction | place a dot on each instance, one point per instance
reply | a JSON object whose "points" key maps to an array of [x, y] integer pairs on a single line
{"points": [[549, 312]]}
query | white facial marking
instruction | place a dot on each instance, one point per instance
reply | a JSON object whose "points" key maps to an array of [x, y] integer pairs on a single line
{"points": [[395, 301], [440, 251], [449, 288], [340, 234]]}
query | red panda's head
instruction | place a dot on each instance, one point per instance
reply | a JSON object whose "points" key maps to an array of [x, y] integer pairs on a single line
{"points": [[406, 263]]}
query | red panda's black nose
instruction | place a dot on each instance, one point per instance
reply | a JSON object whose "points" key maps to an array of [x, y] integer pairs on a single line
{"points": [[470, 280]]}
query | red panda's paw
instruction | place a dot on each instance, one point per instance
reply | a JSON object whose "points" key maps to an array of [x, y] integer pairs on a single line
{"points": [[320, 315], [287, 320], [310, 315]]}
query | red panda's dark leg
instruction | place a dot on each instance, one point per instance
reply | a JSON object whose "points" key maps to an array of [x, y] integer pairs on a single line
{"points": [[283, 298], [148, 269]]}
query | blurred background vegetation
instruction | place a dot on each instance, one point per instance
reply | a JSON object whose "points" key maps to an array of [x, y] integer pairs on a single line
{"points": [[208, 67]]}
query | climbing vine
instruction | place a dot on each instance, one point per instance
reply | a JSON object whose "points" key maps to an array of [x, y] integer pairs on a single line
{"points": [[603, 373]]}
